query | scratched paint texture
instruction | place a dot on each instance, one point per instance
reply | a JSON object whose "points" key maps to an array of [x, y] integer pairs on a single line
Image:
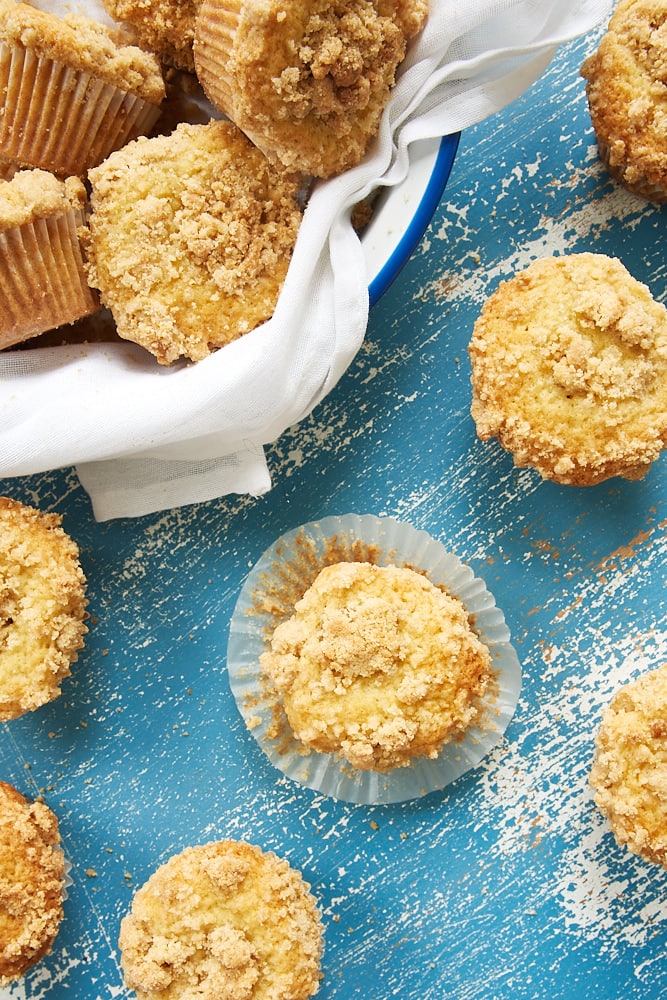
{"points": [[508, 884]]}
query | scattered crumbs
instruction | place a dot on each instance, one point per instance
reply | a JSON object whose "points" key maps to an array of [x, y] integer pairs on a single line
{"points": [[404, 836], [188, 690], [105, 652], [27, 766], [83, 724], [91, 873], [51, 735], [335, 918], [373, 825], [108, 850]]}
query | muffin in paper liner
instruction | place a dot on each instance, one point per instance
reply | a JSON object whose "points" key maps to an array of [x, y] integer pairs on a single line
{"points": [[42, 280], [280, 578], [306, 82], [69, 94]]}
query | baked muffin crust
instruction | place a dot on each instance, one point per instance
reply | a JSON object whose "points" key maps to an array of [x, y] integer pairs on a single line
{"points": [[627, 95], [569, 370], [42, 607], [191, 235], [306, 80], [32, 872], [379, 665], [36, 194], [223, 919], [629, 771]]}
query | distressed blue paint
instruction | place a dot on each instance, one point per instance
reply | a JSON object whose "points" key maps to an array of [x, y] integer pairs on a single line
{"points": [[507, 884]]}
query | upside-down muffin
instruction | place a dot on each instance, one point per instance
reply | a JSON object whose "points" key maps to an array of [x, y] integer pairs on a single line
{"points": [[42, 607], [569, 370], [223, 920], [378, 665], [191, 235], [307, 80], [629, 771], [32, 882], [626, 87]]}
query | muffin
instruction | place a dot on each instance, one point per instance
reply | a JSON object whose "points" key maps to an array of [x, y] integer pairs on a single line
{"points": [[223, 919], [379, 665], [164, 27], [629, 771], [626, 87], [69, 91], [307, 80], [191, 235], [42, 277], [42, 607], [408, 677], [569, 370], [32, 882]]}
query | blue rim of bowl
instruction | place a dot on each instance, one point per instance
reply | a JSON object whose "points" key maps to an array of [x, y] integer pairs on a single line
{"points": [[429, 201]]}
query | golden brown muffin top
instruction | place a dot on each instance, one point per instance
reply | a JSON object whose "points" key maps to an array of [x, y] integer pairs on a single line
{"points": [[627, 89], [191, 235], [84, 45], [378, 664], [569, 370], [42, 607], [37, 194], [223, 919], [629, 771], [308, 81], [32, 871], [164, 27]]}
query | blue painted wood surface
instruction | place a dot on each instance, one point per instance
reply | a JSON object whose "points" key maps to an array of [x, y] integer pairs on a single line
{"points": [[508, 884]]}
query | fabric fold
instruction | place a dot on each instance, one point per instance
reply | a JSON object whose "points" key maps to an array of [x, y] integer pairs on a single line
{"points": [[143, 438]]}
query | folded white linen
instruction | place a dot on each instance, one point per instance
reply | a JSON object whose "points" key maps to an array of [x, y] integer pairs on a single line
{"points": [[145, 438]]}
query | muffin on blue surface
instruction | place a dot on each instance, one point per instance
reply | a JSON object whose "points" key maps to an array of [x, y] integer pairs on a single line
{"points": [[32, 882], [223, 920], [369, 663]]}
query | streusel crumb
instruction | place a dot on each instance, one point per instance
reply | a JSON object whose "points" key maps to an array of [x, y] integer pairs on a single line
{"points": [[629, 772], [224, 919], [379, 665]]}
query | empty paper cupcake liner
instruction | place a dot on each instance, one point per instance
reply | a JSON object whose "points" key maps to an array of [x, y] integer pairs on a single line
{"points": [[280, 578]]}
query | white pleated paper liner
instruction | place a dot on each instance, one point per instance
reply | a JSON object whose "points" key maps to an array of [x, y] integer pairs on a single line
{"points": [[280, 578]]}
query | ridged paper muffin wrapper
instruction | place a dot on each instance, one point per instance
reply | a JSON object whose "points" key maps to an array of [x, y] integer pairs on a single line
{"points": [[286, 569]]}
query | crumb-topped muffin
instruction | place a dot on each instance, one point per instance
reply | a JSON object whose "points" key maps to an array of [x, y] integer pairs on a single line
{"points": [[378, 665], [42, 607], [626, 87], [629, 771], [223, 919], [307, 80], [42, 276], [164, 27], [191, 235], [569, 370], [70, 91], [32, 882]]}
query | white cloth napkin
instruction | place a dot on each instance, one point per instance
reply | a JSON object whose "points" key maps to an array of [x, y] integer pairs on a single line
{"points": [[145, 438]]}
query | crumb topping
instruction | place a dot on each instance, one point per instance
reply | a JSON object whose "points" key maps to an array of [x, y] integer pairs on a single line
{"points": [[629, 771], [627, 91], [378, 664], [191, 235], [34, 194], [307, 82], [223, 920], [32, 870], [42, 607], [569, 369], [165, 27], [84, 44]]}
